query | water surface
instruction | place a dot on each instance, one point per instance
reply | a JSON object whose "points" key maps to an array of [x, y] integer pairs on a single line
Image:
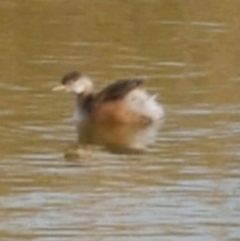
{"points": [[179, 181]]}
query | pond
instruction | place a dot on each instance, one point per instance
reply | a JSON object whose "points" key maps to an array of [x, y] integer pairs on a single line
{"points": [[179, 180]]}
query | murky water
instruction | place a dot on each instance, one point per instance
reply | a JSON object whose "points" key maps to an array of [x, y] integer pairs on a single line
{"points": [[176, 181]]}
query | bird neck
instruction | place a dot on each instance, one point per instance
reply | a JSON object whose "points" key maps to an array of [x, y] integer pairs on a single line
{"points": [[84, 101]]}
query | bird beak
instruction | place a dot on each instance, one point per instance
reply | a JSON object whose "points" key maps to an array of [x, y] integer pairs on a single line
{"points": [[59, 88]]}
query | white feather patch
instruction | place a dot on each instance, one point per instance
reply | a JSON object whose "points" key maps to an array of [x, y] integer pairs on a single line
{"points": [[141, 102]]}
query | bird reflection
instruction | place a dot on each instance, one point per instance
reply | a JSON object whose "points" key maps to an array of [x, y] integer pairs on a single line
{"points": [[117, 138], [113, 138]]}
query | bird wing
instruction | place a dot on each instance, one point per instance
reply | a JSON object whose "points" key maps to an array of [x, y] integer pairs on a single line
{"points": [[117, 90]]}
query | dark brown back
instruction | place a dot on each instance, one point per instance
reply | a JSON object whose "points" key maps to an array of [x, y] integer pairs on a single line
{"points": [[113, 92], [117, 90]]}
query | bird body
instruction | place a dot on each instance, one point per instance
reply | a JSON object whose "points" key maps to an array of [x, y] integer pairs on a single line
{"points": [[123, 101]]}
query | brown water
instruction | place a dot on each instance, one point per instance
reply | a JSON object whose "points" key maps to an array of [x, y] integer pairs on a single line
{"points": [[176, 181]]}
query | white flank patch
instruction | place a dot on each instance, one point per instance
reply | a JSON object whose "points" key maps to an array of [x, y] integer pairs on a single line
{"points": [[143, 103]]}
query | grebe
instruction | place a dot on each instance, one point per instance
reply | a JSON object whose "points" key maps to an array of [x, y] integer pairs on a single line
{"points": [[120, 102]]}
